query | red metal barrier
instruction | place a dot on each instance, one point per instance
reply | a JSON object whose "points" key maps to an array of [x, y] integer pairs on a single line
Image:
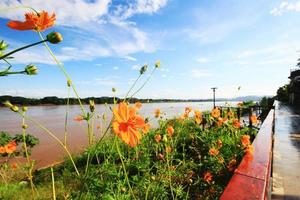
{"points": [[251, 180]]}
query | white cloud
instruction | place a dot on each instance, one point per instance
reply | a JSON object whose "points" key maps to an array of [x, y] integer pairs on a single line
{"points": [[135, 67], [98, 20], [285, 7], [140, 7], [197, 73], [202, 60], [130, 58], [115, 68], [68, 12]]}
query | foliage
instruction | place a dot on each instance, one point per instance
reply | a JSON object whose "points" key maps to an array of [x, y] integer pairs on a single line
{"points": [[283, 93]]}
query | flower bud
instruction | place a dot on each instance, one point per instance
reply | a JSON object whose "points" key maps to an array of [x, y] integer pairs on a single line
{"points": [[31, 70], [14, 108], [69, 83], [24, 126], [113, 89], [157, 64], [24, 108], [7, 104], [3, 45], [143, 69], [54, 37], [92, 105]]}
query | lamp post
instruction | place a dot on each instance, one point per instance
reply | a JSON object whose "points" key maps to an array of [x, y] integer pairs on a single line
{"points": [[214, 92]]}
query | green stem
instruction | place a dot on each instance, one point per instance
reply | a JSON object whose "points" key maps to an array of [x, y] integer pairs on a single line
{"points": [[65, 73], [53, 184], [132, 87], [29, 163], [56, 139], [144, 83], [170, 179], [21, 48], [5, 73], [66, 117], [124, 169]]}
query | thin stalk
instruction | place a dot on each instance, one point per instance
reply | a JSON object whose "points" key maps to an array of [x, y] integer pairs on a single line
{"points": [[132, 86], [66, 117], [65, 73], [29, 163], [5, 73], [53, 184], [2, 176], [124, 169], [170, 179], [24, 47], [144, 83], [56, 139], [7, 62]]}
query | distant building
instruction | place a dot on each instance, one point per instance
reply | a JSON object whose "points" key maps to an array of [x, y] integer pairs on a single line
{"points": [[294, 89]]}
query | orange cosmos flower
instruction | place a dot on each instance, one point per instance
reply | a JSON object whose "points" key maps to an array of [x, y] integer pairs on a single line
{"points": [[215, 113], [34, 21], [170, 131], [249, 150], [240, 104], [207, 177], [2, 150], [157, 138], [126, 124], [198, 116], [138, 105], [14, 166], [221, 160], [187, 110], [219, 143], [78, 118], [231, 165], [253, 119], [168, 149], [230, 114], [220, 121], [245, 140], [236, 123], [10, 147], [146, 128], [213, 151], [157, 113]]}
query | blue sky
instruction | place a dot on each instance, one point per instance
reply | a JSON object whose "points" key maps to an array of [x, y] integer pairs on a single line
{"points": [[200, 43]]}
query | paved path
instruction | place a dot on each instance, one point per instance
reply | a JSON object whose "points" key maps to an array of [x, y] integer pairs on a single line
{"points": [[286, 163]]}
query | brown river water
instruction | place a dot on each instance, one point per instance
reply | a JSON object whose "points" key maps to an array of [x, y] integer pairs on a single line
{"points": [[53, 118]]}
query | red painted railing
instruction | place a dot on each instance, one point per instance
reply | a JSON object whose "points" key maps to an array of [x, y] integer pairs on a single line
{"points": [[251, 180]]}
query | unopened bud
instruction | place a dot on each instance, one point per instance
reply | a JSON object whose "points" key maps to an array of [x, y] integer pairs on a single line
{"points": [[24, 108], [24, 126], [157, 64], [92, 105], [143, 69], [113, 89], [54, 37], [69, 83], [3, 45], [31, 70], [14, 108], [7, 104]]}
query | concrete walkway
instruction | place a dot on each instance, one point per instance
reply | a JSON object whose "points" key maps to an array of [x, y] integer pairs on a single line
{"points": [[286, 156]]}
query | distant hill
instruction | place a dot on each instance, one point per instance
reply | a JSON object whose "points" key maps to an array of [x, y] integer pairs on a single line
{"points": [[101, 100]]}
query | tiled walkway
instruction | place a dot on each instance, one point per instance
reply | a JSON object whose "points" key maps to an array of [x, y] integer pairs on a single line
{"points": [[286, 163]]}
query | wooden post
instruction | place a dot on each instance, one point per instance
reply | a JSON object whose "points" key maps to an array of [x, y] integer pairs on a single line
{"points": [[250, 114]]}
